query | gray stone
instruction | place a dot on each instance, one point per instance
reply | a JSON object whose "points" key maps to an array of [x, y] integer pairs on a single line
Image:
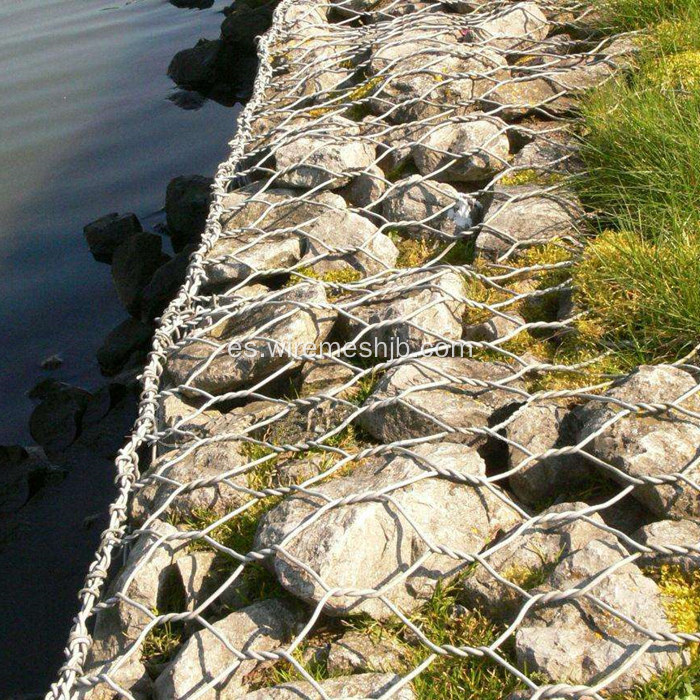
{"points": [[470, 396], [120, 343], [537, 428], [365, 686], [417, 308], [187, 466], [335, 232], [107, 233], [430, 208], [289, 472], [356, 652], [422, 84], [551, 150], [323, 376], [670, 533], [516, 28], [527, 559], [577, 642], [645, 444], [328, 158], [56, 422], [468, 517], [131, 676], [264, 230], [253, 342], [198, 577], [174, 412], [418, 35], [479, 148], [145, 579], [258, 628], [525, 94], [495, 328], [522, 216], [187, 200], [366, 188], [133, 265], [394, 143]]}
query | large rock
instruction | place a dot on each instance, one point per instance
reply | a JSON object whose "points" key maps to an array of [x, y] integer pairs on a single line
{"points": [[430, 81], [245, 23], [423, 208], [131, 676], [650, 444], [366, 188], [522, 216], [669, 535], [133, 265], [416, 309], [187, 200], [528, 557], [365, 686], [164, 285], [468, 151], [144, 582], [107, 233], [120, 343], [328, 157], [261, 627], [356, 652], [526, 93], [461, 395], [251, 343], [549, 149], [271, 230], [345, 241], [535, 429], [262, 231], [578, 642], [56, 422], [391, 531], [517, 27], [178, 479], [197, 67]]}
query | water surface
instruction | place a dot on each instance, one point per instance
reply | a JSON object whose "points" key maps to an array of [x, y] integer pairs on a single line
{"points": [[88, 126]]}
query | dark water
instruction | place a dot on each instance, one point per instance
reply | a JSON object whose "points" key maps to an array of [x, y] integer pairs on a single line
{"points": [[87, 126]]}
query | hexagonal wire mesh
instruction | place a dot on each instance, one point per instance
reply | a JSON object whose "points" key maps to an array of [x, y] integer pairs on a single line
{"points": [[372, 381]]}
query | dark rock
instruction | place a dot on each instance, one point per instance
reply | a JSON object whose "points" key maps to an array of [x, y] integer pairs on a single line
{"points": [[23, 472], [43, 388], [244, 24], [106, 234], [164, 284], [120, 342], [192, 4], [197, 67], [55, 423], [186, 207], [133, 265], [52, 362], [102, 402]]}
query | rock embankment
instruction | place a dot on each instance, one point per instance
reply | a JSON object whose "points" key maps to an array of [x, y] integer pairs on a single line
{"points": [[372, 401]]}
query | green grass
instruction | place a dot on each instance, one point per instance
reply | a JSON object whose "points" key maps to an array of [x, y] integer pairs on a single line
{"points": [[631, 15], [642, 154]]}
